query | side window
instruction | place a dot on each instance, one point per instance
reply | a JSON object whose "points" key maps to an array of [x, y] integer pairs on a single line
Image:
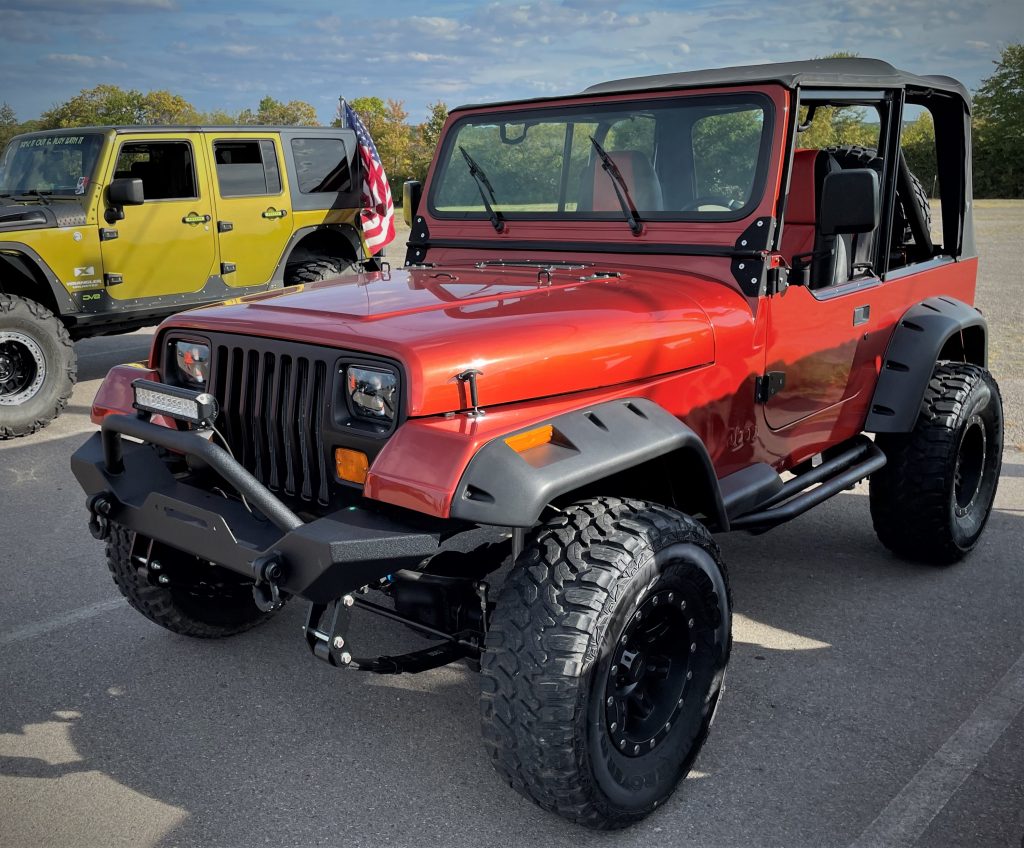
{"points": [[166, 168], [246, 168], [321, 165], [726, 146]]}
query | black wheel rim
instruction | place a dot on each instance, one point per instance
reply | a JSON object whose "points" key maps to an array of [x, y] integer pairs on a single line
{"points": [[970, 466], [648, 674], [22, 368]]}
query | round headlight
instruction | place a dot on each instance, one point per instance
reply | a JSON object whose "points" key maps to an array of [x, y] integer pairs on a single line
{"points": [[193, 361], [373, 392]]}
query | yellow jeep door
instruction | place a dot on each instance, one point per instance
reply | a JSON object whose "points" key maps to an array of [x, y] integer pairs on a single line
{"points": [[253, 208], [165, 246]]}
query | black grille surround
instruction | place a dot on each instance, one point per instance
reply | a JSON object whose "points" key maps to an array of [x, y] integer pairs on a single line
{"points": [[283, 409]]}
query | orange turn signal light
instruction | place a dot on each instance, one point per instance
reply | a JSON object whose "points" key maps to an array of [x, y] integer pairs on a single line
{"points": [[351, 465], [521, 442]]}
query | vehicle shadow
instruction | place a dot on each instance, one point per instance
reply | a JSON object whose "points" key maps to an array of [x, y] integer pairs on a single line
{"points": [[841, 653]]}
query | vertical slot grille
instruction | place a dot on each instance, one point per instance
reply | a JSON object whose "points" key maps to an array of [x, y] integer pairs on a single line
{"points": [[272, 410]]}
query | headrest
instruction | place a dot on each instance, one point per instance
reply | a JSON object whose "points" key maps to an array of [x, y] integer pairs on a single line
{"points": [[639, 174], [802, 205]]}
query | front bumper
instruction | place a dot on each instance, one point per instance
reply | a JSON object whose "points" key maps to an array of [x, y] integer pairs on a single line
{"points": [[320, 560]]}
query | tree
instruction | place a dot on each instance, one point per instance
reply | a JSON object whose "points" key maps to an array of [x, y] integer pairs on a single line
{"points": [[393, 137], [271, 112], [999, 128], [425, 138], [104, 104], [162, 107], [918, 143], [8, 123]]}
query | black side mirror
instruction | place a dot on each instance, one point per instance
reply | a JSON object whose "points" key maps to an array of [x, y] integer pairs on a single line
{"points": [[411, 193], [849, 202], [126, 191]]}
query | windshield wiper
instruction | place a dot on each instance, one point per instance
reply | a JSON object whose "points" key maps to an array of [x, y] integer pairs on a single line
{"points": [[621, 189], [484, 187], [34, 192]]}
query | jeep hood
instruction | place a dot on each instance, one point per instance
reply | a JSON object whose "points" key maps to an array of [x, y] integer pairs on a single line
{"points": [[532, 332], [36, 215]]}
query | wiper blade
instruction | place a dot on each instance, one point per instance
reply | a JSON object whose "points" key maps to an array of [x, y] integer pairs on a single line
{"points": [[621, 189], [484, 187], [34, 192]]}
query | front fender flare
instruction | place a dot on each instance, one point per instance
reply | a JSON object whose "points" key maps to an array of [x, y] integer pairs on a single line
{"points": [[503, 487], [914, 348]]}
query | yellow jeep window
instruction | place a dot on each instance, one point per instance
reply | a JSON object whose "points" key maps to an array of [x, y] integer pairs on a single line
{"points": [[166, 168], [246, 168]]}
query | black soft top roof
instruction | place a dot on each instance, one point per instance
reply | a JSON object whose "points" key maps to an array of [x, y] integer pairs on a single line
{"points": [[829, 73]]}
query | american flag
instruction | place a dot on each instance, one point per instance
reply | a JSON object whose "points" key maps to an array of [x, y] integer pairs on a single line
{"points": [[378, 214]]}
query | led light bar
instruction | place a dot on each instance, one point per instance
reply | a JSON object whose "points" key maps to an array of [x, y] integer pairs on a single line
{"points": [[180, 404]]}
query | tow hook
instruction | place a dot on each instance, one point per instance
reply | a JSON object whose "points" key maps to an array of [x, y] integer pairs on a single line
{"points": [[100, 507], [266, 593]]}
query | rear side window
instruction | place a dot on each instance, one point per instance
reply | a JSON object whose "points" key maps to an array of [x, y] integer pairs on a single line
{"points": [[246, 168], [321, 165], [166, 168]]}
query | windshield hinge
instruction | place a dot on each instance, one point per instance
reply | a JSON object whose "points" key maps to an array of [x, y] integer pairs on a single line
{"points": [[751, 256], [769, 385]]}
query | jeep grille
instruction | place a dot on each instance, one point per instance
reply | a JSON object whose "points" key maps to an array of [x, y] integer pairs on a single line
{"points": [[272, 405]]}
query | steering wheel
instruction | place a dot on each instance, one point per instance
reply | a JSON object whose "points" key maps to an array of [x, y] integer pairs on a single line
{"points": [[721, 203]]}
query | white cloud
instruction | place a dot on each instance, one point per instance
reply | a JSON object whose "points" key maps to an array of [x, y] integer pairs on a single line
{"points": [[81, 61]]}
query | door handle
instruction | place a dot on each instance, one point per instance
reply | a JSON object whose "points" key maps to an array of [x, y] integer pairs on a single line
{"points": [[861, 315], [272, 213], [195, 218]]}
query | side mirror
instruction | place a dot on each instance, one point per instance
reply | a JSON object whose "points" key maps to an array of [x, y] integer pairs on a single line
{"points": [[849, 202], [126, 191], [411, 193]]}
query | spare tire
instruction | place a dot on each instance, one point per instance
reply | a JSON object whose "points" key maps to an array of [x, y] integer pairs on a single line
{"points": [[855, 156]]}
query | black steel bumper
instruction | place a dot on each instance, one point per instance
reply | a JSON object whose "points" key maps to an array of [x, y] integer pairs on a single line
{"points": [[319, 560]]}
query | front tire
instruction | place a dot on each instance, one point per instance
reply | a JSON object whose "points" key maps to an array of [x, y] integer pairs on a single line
{"points": [[38, 367], [605, 660], [931, 501], [200, 600]]}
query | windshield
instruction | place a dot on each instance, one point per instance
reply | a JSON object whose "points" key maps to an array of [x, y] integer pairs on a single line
{"points": [[49, 164], [693, 158]]}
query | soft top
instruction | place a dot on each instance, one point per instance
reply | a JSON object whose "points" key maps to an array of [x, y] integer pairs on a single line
{"points": [[831, 73]]}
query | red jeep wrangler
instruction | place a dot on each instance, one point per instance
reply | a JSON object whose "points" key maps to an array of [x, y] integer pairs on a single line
{"points": [[629, 319]]}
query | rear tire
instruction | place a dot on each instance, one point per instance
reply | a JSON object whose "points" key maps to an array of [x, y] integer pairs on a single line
{"points": [[315, 270], [38, 367], [204, 601], [605, 659], [931, 501]]}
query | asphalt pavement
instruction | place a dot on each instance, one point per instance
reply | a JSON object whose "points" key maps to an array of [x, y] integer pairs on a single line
{"points": [[869, 701]]}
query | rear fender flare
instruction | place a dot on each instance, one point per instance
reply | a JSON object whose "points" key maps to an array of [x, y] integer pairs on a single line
{"points": [[503, 487], [937, 328]]}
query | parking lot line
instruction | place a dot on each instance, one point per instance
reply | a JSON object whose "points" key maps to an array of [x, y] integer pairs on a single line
{"points": [[907, 816], [20, 634]]}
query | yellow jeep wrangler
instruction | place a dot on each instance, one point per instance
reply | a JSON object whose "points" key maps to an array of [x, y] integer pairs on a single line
{"points": [[108, 229]]}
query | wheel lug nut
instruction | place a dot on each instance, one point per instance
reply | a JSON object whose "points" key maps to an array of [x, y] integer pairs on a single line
{"points": [[689, 676], [636, 749], [682, 605], [655, 599], [690, 622], [680, 703], [622, 743], [693, 647], [615, 669], [163, 579], [638, 616], [671, 596], [615, 726], [653, 743], [668, 725], [610, 701]]}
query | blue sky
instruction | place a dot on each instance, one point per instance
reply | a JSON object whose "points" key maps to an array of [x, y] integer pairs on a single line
{"points": [[228, 54]]}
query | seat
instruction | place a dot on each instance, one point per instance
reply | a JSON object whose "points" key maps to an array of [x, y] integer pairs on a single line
{"points": [[597, 193], [828, 260]]}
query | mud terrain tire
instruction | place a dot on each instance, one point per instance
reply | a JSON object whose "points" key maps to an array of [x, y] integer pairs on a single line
{"points": [[324, 268], [605, 659], [933, 498], [221, 605], [38, 367]]}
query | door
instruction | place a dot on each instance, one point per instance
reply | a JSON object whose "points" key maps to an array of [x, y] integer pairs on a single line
{"points": [[253, 209], [165, 246], [818, 340]]}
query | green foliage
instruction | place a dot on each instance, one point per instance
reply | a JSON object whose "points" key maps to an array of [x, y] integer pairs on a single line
{"points": [[918, 142], [386, 121], [274, 113], [424, 140], [8, 123], [999, 128]]}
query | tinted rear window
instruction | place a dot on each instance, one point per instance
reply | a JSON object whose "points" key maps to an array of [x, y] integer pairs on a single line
{"points": [[321, 165]]}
